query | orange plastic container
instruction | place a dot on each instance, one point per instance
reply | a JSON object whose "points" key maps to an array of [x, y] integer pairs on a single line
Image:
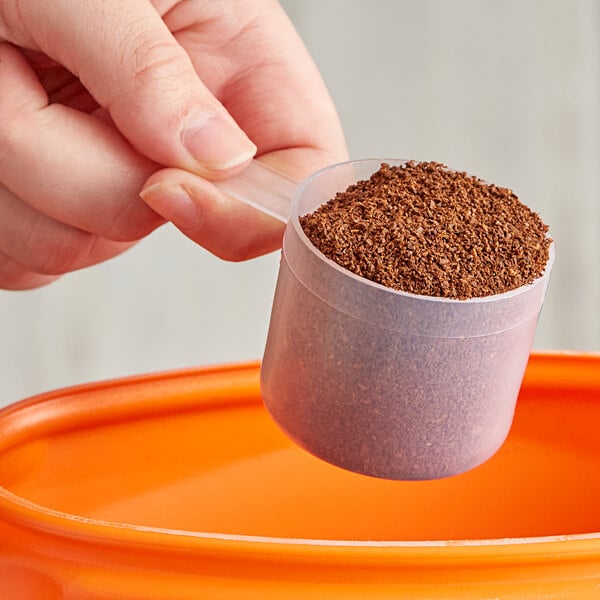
{"points": [[179, 486]]}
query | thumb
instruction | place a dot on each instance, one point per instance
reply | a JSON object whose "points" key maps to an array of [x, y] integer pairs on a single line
{"points": [[127, 58]]}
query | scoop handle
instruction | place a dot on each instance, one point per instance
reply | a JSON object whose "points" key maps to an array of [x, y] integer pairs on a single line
{"points": [[263, 188]]}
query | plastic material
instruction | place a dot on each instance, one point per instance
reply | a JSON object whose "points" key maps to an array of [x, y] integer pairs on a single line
{"points": [[263, 188], [178, 486], [388, 383]]}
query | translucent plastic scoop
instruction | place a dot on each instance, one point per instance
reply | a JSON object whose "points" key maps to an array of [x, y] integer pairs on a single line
{"points": [[374, 380], [263, 188]]}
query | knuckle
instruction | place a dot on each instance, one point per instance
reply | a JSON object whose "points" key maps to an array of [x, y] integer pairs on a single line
{"points": [[50, 254], [14, 276], [15, 121], [9, 140], [154, 61], [62, 258], [12, 20], [133, 221]]}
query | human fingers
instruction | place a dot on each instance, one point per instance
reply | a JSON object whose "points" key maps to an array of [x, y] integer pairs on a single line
{"points": [[223, 225], [127, 58], [278, 96], [252, 58], [14, 276], [69, 165], [40, 245]]}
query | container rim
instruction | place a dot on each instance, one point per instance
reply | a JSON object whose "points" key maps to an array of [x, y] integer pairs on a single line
{"points": [[294, 222], [69, 525]]}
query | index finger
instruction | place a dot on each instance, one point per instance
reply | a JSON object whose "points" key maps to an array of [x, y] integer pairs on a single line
{"points": [[127, 58]]}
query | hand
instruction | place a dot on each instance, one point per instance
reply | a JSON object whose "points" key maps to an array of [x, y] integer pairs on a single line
{"points": [[101, 98]]}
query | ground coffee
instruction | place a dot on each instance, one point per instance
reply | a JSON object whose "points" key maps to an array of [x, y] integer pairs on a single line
{"points": [[425, 229]]}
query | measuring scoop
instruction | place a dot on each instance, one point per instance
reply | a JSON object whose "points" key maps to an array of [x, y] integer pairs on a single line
{"points": [[378, 381]]}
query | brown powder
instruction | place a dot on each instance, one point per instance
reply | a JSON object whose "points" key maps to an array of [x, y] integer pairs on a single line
{"points": [[425, 229]]}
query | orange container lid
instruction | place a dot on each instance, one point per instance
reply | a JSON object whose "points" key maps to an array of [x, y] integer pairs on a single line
{"points": [[179, 486]]}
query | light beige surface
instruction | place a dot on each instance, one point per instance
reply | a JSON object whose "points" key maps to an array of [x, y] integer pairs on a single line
{"points": [[508, 90]]}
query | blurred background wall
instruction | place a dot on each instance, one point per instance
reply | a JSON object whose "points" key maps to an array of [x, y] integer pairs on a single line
{"points": [[508, 90]]}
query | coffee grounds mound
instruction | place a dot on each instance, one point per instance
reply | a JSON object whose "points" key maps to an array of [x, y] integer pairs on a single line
{"points": [[425, 229]]}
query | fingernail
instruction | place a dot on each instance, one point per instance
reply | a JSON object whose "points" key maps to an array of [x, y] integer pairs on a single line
{"points": [[216, 143], [172, 202]]}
